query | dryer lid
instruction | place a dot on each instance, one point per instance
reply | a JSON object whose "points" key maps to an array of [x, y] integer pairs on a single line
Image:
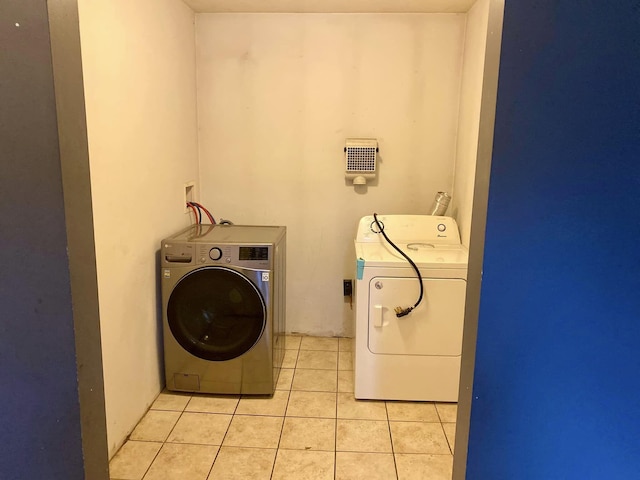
{"points": [[424, 255], [430, 241]]}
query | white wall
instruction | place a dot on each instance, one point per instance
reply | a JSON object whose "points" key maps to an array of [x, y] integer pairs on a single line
{"points": [[139, 73], [470, 101], [277, 96]]}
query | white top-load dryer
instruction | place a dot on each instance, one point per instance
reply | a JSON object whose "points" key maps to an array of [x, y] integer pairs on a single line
{"points": [[416, 356]]}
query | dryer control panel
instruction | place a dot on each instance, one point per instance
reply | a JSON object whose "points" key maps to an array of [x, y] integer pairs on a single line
{"points": [[409, 228]]}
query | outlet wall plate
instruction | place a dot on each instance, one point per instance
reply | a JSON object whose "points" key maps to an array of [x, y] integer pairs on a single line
{"points": [[347, 287]]}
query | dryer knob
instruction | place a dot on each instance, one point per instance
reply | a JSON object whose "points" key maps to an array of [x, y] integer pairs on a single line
{"points": [[215, 253]]}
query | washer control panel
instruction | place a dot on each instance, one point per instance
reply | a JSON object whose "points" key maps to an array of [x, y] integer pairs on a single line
{"points": [[251, 256]]}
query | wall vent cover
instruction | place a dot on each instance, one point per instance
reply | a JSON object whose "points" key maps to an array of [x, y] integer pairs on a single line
{"points": [[361, 155], [361, 159]]}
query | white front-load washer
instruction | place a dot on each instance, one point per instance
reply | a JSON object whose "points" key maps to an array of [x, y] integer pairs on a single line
{"points": [[417, 356], [223, 308]]}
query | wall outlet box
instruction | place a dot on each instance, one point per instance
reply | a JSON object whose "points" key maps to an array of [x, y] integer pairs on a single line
{"points": [[347, 288], [189, 195]]}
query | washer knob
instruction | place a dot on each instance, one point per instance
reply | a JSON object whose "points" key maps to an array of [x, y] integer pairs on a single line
{"points": [[442, 227], [215, 253]]}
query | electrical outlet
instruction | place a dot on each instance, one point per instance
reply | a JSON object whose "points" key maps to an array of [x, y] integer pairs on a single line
{"points": [[347, 287]]}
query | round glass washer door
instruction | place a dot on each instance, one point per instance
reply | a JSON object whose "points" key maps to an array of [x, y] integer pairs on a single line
{"points": [[216, 313]]}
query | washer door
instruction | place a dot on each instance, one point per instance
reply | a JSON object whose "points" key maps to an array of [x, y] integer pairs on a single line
{"points": [[216, 313]]}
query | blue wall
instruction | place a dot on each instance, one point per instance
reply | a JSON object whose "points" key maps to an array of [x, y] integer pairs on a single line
{"points": [[40, 425], [557, 378]]}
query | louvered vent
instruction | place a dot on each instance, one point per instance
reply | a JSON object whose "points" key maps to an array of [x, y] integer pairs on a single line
{"points": [[361, 159], [360, 155]]}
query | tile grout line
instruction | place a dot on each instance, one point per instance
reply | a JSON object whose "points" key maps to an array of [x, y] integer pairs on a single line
{"points": [[393, 453], [284, 418], [446, 437], [275, 458], [165, 440], [335, 436], [435, 404], [233, 414], [149, 467]]}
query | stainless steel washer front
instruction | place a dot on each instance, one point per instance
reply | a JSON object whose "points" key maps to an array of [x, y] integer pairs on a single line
{"points": [[223, 308]]}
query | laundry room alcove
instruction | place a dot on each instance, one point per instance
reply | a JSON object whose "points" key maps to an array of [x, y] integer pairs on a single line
{"points": [[252, 102]]}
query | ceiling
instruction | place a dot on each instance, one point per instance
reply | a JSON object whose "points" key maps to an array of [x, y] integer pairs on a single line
{"points": [[330, 6]]}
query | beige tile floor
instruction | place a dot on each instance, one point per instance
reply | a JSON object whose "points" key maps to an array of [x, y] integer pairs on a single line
{"points": [[312, 428]]}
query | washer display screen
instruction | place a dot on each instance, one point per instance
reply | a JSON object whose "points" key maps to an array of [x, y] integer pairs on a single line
{"points": [[253, 253]]}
